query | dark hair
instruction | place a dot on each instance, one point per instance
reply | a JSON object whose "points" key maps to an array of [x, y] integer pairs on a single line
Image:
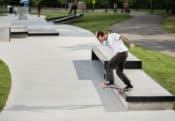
{"points": [[100, 33]]}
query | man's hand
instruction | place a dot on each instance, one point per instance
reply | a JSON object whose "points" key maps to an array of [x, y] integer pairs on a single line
{"points": [[123, 38], [132, 45]]}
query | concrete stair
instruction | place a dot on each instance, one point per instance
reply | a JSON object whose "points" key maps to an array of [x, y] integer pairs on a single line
{"points": [[147, 94], [23, 31]]}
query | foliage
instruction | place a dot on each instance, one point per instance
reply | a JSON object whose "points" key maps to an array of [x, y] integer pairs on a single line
{"points": [[5, 83]]}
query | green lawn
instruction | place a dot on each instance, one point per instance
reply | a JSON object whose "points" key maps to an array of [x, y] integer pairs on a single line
{"points": [[159, 66], [50, 13], [100, 21], [5, 83], [169, 24], [92, 21], [3, 11]]}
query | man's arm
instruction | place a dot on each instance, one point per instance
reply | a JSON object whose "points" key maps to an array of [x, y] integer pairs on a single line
{"points": [[125, 39]]}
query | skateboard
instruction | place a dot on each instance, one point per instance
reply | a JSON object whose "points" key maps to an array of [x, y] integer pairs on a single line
{"points": [[120, 90]]}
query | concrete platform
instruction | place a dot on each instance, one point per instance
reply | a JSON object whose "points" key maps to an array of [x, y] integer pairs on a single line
{"points": [[68, 18], [147, 94], [42, 32], [55, 18], [18, 31], [4, 31], [33, 26]]}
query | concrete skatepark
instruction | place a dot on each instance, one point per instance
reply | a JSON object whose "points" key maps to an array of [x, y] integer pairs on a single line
{"points": [[54, 78]]}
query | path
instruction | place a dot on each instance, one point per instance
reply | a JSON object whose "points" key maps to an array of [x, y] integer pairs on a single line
{"points": [[145, 30], [53, 79]]}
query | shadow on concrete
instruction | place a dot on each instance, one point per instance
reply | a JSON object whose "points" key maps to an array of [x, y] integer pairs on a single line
{"points": [[56, 107], [93, 70], [78, 47], [75, 34]]}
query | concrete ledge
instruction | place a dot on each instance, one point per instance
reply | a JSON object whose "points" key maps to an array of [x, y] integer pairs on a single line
{"points": [[69, 18], [42, 32], [55, 18], [5, 34], [150, 105], [150, 98], [22, 31], [147, 94], [18, 31], [104, 54]]}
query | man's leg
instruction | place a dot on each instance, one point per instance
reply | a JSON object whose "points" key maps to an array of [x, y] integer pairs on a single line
{"points": [[70, 12], [122, 76], [119, 70], [109, 69]]}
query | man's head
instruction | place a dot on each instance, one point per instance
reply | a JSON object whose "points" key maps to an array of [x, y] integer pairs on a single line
{"points": [[101, 36]]}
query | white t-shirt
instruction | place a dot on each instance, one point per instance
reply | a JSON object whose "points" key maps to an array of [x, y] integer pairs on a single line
{"points": [[115, 43]]}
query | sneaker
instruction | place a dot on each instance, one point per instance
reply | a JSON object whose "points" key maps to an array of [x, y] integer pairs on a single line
{"points": [[108, 83], [128, 87]]}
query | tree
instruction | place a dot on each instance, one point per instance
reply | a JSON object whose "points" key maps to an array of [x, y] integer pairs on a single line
{"points": [[36, 2], [93, 4], [62, 2], [106, 4], [173, 7]]}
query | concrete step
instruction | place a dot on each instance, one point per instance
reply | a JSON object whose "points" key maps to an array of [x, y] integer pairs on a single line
{"points": [[56, 18], [104, 54], [147, 94], [18, 31], [4, 33], [42, 32], [23, 31], [68, 18]]}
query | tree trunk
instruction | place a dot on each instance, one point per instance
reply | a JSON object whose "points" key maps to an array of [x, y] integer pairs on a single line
{"points": [[173, 7], [152, 8]]}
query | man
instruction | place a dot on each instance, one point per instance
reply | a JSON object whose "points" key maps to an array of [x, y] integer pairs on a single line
{"points": [[74, 7], [115, 42], [39, 9]]}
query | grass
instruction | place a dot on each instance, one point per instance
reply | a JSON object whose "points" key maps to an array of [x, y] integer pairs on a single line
{"points": [[50, 13], [5, 83], [100, 21], [92, 21], [160, 67], [161, 12], [169, 24], [3, 11]]}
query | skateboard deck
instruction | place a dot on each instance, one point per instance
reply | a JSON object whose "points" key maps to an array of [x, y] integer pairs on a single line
{"points": [[120, 90]]}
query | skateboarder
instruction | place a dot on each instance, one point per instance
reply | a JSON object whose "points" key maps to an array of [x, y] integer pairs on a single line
{"points": [[39, 9], [115, 42], [74, 7]]}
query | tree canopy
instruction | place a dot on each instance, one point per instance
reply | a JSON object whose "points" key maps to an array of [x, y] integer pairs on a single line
{"points": [[143, 4]]}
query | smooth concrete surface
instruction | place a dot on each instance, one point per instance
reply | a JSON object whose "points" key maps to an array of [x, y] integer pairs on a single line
{"points": [[4, 29], [48, 85], [150, 106], [5, 34], [144, 86]]}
